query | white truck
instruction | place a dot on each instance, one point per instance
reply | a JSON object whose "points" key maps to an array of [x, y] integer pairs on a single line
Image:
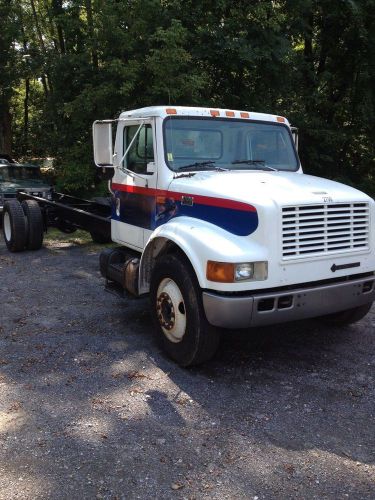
{"points": [[216, 221]]}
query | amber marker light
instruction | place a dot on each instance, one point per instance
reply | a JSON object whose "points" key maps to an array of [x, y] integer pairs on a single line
{"points": [[222, 272], [171, 111], [243, 114], [214, 112], [280, 119]]}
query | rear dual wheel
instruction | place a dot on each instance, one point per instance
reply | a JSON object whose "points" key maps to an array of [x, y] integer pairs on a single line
{"points": [[14, 226], [34, 224], [22, 225]]}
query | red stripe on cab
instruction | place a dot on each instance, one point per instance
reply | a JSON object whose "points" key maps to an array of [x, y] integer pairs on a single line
{"points": [[203, 200]]}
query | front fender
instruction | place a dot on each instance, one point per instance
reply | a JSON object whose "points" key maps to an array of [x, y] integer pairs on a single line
{"points": [[200, 241]]}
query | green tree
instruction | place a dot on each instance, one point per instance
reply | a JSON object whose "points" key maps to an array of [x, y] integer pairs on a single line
{"points": [[66, 63]]}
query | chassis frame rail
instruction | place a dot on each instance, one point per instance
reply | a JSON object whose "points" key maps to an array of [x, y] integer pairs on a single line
{"points": [[67, 213]]}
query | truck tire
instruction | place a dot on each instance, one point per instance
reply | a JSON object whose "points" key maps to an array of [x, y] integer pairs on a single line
{"points": [[347, 317], [14, 226], [100, 238], [34, 226], [177, 311]]}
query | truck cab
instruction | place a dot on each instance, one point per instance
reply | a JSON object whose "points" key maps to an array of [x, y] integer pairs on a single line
{"points": [[16, 177], [217, 222]]}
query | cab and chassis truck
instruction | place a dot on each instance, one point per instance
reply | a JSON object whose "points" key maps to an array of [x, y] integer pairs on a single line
{"points": [[215, 220]]}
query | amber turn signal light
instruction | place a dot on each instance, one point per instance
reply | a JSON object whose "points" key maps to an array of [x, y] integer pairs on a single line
{"points": [[222, 272]]}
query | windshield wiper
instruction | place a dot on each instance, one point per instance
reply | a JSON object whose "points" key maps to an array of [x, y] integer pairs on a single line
{"points": [[201, 165], [261, 164]]}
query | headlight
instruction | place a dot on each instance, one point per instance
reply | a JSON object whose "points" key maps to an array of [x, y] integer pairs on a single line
{"points": [[227, 272], [244, 271]]}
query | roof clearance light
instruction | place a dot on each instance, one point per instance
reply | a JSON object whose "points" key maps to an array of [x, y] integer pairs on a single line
{"points": [[229, 113], [214, 112], [171, 111], [244, 114], [280, 119]]}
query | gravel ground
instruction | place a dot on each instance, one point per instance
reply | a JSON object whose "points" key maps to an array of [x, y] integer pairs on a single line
{"points": [[90, 407]]}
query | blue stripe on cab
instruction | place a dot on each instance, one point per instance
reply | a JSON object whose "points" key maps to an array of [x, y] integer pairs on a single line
{"points": [[148, 212]]}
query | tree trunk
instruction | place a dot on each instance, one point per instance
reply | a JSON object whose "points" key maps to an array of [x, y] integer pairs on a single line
{"points": [[37, 26], [6, 130], [57, 10], [26, 115], [90, 25]]}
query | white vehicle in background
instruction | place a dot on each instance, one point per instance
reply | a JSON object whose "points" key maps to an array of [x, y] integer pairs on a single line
{"points": [[216, 221]]}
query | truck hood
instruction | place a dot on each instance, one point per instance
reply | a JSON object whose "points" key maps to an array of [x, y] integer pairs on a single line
{"points": [[263, 188], [12, 187]]}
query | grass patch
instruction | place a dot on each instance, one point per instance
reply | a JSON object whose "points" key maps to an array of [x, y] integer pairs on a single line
{"points": [[79, 237], [55, 239]]}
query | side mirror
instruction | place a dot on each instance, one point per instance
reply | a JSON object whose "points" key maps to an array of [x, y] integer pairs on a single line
{"points": [[103, 143], [294, 131]]}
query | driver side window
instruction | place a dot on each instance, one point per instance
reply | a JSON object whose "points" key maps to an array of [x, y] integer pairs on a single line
{"points": [[142, 149]]}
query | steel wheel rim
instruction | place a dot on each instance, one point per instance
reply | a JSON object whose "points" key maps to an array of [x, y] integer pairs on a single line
{"points": [[171, 310], [7, 227]]}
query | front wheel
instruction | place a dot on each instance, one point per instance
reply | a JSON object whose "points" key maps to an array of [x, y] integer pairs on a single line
{"points": [[347, 317], [181, 325]]}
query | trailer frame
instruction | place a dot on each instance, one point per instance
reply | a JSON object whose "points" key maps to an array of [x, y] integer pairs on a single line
{"points": [[68, 213]]}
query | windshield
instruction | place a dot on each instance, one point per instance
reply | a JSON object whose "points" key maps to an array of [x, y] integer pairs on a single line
{"points": [[17, 173], [207, 143]]}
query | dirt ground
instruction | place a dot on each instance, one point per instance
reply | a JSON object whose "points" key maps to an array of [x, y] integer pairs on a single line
{"points": [[90, 407]]}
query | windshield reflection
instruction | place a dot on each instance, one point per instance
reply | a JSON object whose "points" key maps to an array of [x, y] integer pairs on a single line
{"points": [[17, 173], [229, 144]]}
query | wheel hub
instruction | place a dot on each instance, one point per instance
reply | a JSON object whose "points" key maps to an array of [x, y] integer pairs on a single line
{"points": [[170, 310], [7, 227], [165, 311]]}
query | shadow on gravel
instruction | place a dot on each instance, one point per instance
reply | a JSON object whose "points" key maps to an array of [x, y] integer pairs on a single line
{"points": [[301, 383], [261, 400], [91, 408]]}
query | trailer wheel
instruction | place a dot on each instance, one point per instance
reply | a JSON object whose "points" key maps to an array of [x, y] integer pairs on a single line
{"points": [[177, 310], [100, 238], [14, 226], [347, 317], [34, 226]]}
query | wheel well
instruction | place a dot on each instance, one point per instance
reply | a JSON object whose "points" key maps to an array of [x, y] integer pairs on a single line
{"points": [[157, 248]]}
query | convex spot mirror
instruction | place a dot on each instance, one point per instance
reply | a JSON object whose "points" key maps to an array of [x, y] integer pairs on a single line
{"points": [[103, 143]]}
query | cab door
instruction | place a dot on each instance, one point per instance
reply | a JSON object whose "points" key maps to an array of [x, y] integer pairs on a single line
{"points": [[134, 184]]}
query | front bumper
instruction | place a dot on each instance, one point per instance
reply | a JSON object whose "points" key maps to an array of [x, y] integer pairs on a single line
{"points": [[288, 305]]}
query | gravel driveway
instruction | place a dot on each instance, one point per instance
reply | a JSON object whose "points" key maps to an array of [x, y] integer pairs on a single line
{"points": [[90, 408]]}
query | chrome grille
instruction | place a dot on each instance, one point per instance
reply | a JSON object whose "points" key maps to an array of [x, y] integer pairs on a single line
{"points": [[326, 228]]}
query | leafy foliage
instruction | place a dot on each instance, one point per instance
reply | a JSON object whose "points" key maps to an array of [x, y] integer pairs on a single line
{"points": [[65, 63]]}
